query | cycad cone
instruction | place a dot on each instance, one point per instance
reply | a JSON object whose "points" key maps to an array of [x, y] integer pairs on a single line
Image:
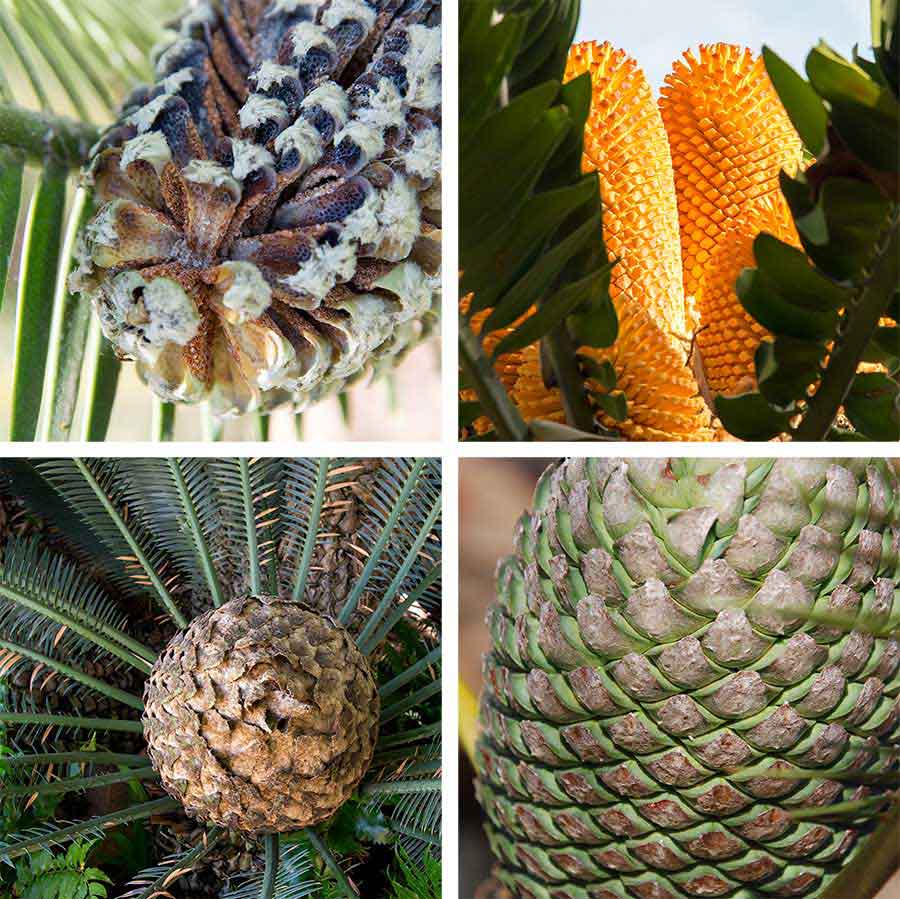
{"points": [[686, 185], [655, 667], [262, 716]]}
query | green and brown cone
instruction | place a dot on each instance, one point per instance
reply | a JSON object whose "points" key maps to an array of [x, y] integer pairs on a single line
{"points": [[656, 671], [262, 716]]}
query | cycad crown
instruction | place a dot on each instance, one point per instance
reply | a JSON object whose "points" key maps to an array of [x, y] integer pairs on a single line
{"points": [[298, 600], [659, 698]]}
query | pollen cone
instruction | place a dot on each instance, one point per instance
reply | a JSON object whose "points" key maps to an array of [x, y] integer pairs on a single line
{"points": [[625, 143], [729, 138]]}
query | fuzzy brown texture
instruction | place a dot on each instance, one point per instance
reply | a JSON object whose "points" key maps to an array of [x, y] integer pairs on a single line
{"points": [[262, 716]]}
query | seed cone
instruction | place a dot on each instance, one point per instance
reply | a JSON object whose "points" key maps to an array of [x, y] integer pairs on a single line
{"points": [[268, 213], [655, 666], [262, 716]]}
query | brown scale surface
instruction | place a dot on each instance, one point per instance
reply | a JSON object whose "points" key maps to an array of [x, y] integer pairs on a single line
{"points": [[262, 716]]}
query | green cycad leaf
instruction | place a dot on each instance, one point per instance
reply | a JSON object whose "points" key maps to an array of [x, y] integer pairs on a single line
{"points": [[38, 588], [101, 381], [801, 102], [68, 338], [246, 493], [12, 166], [872, 406], [37, 287], [92, 490], [70, 49], [151, 882]]}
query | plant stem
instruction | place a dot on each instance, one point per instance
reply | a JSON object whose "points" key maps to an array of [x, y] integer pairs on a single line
{"points": [[46, 137], [76, 784], [561, 354], [91, 826], [862, 320], [272, 857], [867, 870], [34, 718], [480, 375], [332, 863]]}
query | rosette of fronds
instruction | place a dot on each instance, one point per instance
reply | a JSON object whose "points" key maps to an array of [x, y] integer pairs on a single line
{"points": [[533, 264], [828, 369], [252, 647], [259, 228]]}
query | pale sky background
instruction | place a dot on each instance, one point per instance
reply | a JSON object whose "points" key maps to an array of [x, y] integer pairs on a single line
{"points": [[656, 32]]}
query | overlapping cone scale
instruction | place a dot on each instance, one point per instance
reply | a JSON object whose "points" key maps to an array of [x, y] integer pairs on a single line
{"points": [[268, 213], [656, 675], [262, 716]]}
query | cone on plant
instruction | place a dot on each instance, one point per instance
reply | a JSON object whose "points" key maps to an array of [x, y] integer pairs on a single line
{"points": [[268, 213], [658, 698], [262, 716], [686, 184]]}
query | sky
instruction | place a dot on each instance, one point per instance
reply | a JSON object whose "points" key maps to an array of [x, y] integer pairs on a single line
{"points": [[656, 32]]}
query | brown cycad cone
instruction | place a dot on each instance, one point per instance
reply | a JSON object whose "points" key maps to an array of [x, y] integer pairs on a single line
{"points": [[262, 716]]}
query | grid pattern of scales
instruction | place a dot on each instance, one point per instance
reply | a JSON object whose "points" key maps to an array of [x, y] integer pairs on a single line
{"points": [[652, 672], [267, 226]]}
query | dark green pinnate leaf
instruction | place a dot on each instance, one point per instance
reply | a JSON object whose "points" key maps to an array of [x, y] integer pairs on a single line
{"points": [[495, 264], [553, 311], [68, 342], [887, 339], [480, 76], [789, 270], [750, 417], [838, 80], [864, 112], [539, 278], [37, 286], [786, 367], [576, 96], [601, 372], [469, 412], [553, 430], [501, 134], [102, 378], [872, 406], [776, 311], [802, 104], [597, 324], [613, 404], [549, 32], [497, 199]]}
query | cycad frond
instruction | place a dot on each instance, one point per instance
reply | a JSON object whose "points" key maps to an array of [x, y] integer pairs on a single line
{"points": [[247, 493], [37, 585], [57, 56], [296, 877], [177, 498], [152, 882]]}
